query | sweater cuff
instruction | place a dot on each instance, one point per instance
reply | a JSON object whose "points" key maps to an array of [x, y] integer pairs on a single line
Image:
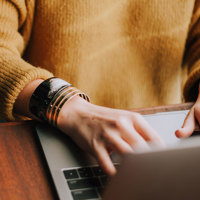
{"points": [[15, 74], [19, 83], [191, 87]]}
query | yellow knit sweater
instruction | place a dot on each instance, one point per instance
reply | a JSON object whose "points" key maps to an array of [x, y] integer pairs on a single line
{"points": [[123, 54]]}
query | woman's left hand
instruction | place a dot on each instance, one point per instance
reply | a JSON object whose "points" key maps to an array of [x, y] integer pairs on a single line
{"points": [[192, 121]]}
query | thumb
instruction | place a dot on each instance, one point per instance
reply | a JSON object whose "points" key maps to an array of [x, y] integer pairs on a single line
{"points": [[188, 126]]}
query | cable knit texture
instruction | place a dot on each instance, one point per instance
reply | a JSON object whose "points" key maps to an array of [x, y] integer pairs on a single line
{"points": [[123, 54]]}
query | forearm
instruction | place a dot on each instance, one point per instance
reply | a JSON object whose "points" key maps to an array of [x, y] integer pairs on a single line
{"points": [[191, 57], [21, 106]]}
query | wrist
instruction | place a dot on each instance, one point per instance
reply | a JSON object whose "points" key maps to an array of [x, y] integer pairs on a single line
{"points": [[77, 107], [50, 96]]}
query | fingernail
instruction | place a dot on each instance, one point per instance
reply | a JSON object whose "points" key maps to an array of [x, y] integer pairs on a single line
{"points": [[178, 133]]}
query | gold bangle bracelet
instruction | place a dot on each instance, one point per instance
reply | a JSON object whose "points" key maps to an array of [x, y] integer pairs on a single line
{"points": [[55, 109], [59, 100], [55, 101]]}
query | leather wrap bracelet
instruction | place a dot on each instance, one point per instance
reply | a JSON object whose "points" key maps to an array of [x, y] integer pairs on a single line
{"points": [[49, 97]]}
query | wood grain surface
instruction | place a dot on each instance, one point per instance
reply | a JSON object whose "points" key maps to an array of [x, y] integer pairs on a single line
{"points": [[23, 172], [168, 108]]}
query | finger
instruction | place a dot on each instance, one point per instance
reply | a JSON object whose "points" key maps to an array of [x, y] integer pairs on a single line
{"points": [[188, 125], [139, 142], [129, 134], [197, 110], [197, 113], [104, 160], [146, 131], [114, 141]]}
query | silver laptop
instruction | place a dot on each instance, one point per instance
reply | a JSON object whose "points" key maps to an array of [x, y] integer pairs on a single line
{"points": [[76, 175], [167, 174]]}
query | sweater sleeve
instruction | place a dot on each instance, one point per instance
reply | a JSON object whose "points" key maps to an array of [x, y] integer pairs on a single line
{"points": [[192, 56], [15, 73]]}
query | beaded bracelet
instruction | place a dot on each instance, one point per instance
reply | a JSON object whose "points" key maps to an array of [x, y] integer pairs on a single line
{"points": [[49, 97]]}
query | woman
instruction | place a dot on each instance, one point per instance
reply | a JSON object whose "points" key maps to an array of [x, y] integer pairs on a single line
{"points": [[122, 54]]}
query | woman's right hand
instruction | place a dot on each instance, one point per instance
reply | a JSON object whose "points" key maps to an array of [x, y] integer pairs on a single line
{"points": [[100, 130], [97, 130]]}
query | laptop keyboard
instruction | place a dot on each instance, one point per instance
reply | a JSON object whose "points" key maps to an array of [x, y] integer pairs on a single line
{"points": [[86, 182]]}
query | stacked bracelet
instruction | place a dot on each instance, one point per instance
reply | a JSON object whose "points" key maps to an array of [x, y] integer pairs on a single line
{"points": [[59, 100], [49, 97]]}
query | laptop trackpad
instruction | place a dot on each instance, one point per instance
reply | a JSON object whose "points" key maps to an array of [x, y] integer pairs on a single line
{"points": [[166, 124]]}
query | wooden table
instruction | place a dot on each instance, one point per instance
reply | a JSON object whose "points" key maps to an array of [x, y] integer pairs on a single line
{"points": [[24, 173]]}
